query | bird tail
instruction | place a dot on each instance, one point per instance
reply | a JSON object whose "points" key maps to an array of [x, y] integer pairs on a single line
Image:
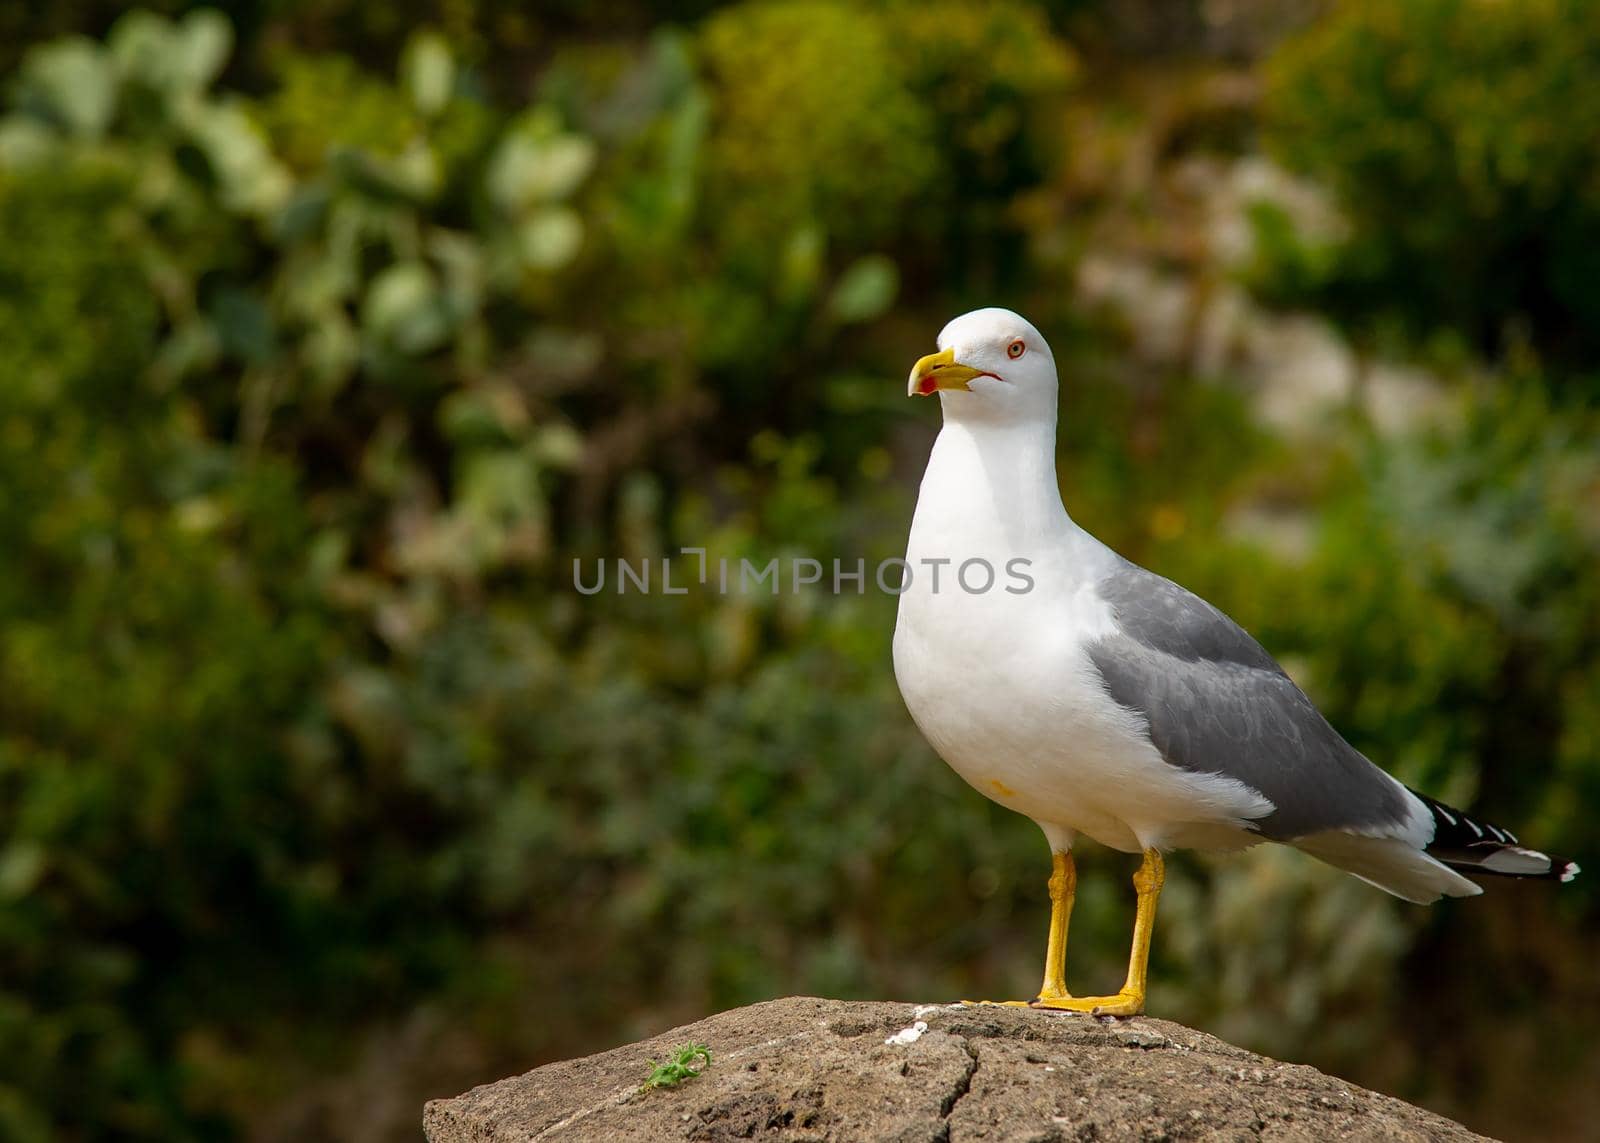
{"points": [[1391, 863], [1475, 847]]}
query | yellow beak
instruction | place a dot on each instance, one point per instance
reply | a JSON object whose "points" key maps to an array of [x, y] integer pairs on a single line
{"points": [[939, 371]]}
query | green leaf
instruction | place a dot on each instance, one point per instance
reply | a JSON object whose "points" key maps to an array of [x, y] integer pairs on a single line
{"points": [[25, 142], [331, 351], [468, 417], [428, 72], [680, 1067], [550, 239], [244, 326], [559, 446], [536, 163], [205, 40], [180, 59], [22, 863], [251, 179], [416, 169], [141, 45], [497, 499], [404, 309], [865, 290], [801, 267], [71, 82], [191, 348]]}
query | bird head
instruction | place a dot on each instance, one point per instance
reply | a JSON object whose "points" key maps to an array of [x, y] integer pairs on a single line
{"points": [[991, 365]]}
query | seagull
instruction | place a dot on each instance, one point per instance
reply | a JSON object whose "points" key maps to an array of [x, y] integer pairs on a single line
{"points": [[1072, 686]]}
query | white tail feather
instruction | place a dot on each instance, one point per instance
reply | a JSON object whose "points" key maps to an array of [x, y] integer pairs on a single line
{"points": [[1389, 863]]}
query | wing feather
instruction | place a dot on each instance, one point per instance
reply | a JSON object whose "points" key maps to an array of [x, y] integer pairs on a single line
{"points": [[1217, 703]]}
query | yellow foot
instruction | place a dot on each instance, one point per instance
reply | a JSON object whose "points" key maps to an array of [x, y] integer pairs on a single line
{"points": [[1122, 1004]]}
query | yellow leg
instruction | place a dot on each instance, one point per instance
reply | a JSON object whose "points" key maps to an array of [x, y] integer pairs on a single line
{"points": [[1063, 891], [1129, 1001], [1147, 882]]}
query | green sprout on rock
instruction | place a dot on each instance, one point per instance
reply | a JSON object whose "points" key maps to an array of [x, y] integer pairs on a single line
{"points": [[680, 1067]]}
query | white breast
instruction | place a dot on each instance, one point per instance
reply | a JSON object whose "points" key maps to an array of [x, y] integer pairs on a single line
{"points": [[1002, 687]]}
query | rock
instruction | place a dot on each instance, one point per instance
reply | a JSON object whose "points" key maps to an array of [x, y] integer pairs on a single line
{"points": [[807, 1069]]}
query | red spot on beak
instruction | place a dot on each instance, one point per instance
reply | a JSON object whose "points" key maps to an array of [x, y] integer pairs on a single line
{"points": [[927, 385]]}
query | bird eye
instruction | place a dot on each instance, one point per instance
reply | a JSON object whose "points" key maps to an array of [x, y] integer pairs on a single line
{"points": [[1016, 349]]}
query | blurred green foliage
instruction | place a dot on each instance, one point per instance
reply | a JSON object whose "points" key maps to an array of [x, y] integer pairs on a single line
{"points": [[316, 382], [1435, 120], [927, 110], [854, 147]]}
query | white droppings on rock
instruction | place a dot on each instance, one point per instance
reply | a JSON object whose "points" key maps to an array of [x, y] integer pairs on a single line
{"points": [[908, 1035]]}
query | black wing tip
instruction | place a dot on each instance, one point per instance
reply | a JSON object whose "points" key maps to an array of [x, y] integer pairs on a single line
{"points": [[1467, 844], [1559, 869], [1455, 829]]}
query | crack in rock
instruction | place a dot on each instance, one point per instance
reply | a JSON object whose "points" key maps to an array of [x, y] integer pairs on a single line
{"points": [[962, 1086]]}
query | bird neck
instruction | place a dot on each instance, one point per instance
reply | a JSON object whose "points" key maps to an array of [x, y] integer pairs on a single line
{"points": [[994, 484]]}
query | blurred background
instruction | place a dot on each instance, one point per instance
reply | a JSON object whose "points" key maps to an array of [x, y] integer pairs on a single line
{"points": [[332, 332]]}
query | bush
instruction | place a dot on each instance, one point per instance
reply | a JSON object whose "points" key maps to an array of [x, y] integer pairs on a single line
{"points": [[879, 122], [991, 74], [811, 126], [1456, 136], [222, 382]]}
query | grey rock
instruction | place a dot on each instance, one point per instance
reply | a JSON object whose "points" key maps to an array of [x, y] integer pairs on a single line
{"points": [[805, 1069]]}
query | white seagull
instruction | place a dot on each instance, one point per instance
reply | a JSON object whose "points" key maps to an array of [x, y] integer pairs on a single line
{"points": [[1098, 698]]}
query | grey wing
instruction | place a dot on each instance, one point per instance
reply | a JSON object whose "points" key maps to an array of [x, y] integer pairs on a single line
{"points": [[1216, 702]]}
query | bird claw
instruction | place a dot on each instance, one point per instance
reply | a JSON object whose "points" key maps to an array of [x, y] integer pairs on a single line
{"points": [[1122, 1004]]}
